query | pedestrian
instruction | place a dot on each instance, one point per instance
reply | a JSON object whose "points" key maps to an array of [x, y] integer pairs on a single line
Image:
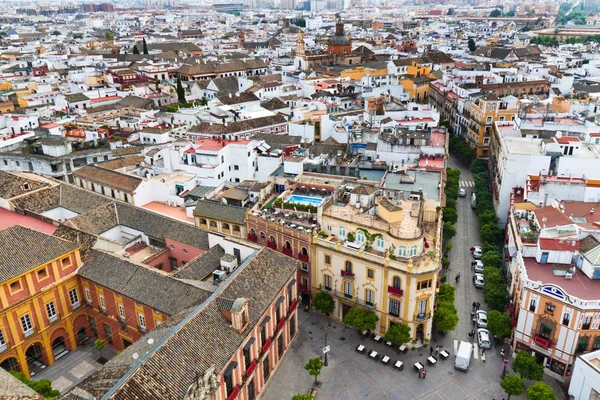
{"points": [[474, 305], [420, 373], [437, 350], [482, 351], [424, 374], [472, 314], [457, 278], [474, 321], [478, 305], [431, 350]]}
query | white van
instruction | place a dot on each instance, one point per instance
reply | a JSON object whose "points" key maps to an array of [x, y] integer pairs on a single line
{"points": [[463, 356]]}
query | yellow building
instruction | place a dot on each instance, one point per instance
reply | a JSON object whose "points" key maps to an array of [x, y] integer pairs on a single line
{"points": [[358, 72], [40, 299], [222, 218], [485, 111], [416, 82], [386, 261]]}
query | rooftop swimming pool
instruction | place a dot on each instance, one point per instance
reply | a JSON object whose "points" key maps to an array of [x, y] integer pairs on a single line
{"points": [[306, 200]]}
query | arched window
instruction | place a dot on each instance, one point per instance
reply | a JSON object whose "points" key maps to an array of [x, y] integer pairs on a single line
{"points": [[213, 224], [402, 251], [225, 226], [203, 221], [380, 243], [252, 232], [236, 228], [360, 237], [288, 245], [342, 232], [262, 235], [272, 239], [413, 251], [348, 266], [396, 282], [304, 251]]}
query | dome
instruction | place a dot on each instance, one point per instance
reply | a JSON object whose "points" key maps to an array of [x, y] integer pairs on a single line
{"points": [[339, 40]]}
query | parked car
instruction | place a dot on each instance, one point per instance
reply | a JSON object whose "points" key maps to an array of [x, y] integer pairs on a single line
{"points": [[477, 266], [483, 337], [481, 319], [479, 280], [477, 252], [462, 192]]}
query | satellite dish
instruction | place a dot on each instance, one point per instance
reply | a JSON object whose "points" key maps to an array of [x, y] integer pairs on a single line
{"points": [[135, 356], [150, 341]]}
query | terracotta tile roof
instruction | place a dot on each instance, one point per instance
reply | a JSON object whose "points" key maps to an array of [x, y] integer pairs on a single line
{"points": [[201, 266], [122, 162], [22, 249], [141, 284], [13, 389], [274, 104], [237, 98], [239, 126], [219, 211], [550, 217], [558, 244], [106, 177], [14, 185]]}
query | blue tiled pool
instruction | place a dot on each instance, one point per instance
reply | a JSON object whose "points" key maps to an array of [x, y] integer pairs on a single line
{"points": [[306, 200]]}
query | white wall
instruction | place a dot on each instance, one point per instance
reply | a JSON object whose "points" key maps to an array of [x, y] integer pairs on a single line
{"points": [[59, 214], [585, 378]]}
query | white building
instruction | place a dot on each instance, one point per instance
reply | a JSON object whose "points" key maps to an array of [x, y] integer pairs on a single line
{"points": [[585, 381]]}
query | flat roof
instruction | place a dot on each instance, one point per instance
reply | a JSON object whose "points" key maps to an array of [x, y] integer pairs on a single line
{"points": [[429, 181], [580, 286], [11, 218]]}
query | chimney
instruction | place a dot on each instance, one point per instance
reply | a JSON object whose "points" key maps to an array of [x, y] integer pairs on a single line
{"points": [[592, 211]]}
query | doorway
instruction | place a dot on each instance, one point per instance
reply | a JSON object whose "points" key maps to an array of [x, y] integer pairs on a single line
{"points": [[82, 337], [126, 343], [58, 348], [345, 309], [35, 360], [420, 332]]}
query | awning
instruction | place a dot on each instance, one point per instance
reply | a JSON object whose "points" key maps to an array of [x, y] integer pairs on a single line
{"points": [[547, 327], [292, 283], [249, 343], [583, 340], [278, 303], [230, 368], [264, 321]]}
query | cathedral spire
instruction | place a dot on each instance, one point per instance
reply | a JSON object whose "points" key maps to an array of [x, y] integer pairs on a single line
{"points": [[300, 52]]}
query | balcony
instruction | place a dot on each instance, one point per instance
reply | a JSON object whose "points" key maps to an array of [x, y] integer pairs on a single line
{"points": [[266, 345], [76, 305], [395, 291], [280, 324], [234, 393], [347, 273], [53, 318], [252, 238], [29, 332], [422, 317], [89, 304], [303, 288], [542, 341], [3, 348], [123, 324], [293, 305], [250, 368], [286, 251], [141, 329], [303, 257], [349, 298], [272, 245], [102, 310]]}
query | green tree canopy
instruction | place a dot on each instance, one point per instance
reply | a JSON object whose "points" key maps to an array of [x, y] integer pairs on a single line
{"points": [[510, 13], [180, 91], [527, 367], [492, 259], [496, 13], [472, 45], [361, 319], [490, 233], [324, 303], [314, 367], [493, 275], [303, 396], [512, 385], [495, 296], [450, 215], [445, 317], [499, 324], [446, 293], [397, 334], [42, 387], [109, 35], [448, 231], [488, 217], [541, 391]]}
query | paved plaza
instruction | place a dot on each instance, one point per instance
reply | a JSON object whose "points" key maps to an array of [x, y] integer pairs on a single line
{"points": [[74, 366]]}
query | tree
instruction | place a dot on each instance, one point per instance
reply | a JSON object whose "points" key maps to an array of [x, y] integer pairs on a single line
{"points": [[495, 296], [361, 319], [144, 46], [446, 293], [472, 45], [450, 215], [541, 391], [510, 13], [490, 233], [445, 317], [109, 35], [203, 101], [180, 91], [301, 22], [492, 275], [324, 303], [512, 385], [499, 324], [496, 13], [56, 33], [449, 231], [99, 345], [314, 366], [302, 396], [488, 217], [492, 259], [527, 367], [43, 386], [397, 334], [135, 50]]}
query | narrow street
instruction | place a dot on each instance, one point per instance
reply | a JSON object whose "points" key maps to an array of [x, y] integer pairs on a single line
{"points": [[467, 235]]}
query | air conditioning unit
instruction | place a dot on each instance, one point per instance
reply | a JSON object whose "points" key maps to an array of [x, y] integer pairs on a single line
{"points": [[126, 255], [218, 276], [229, 263], [568, 275]]}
